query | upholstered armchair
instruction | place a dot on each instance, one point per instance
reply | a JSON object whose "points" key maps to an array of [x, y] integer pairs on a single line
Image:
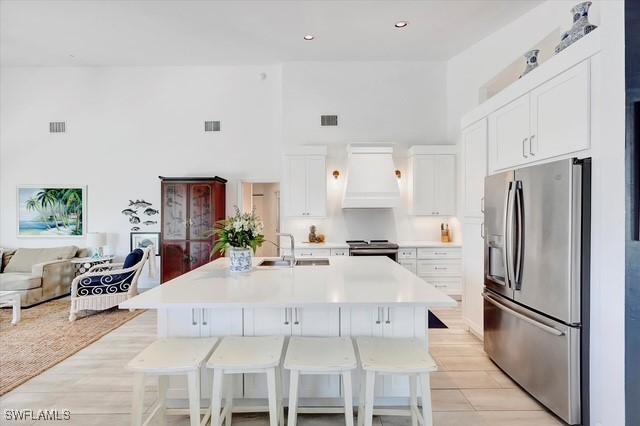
{"points": [[107, 285]]}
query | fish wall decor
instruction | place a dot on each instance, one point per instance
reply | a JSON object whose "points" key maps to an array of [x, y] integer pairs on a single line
{"points": [[139, 204], [149, 222], [129, 212], [150, 211], [134, 219], [135, 228]]}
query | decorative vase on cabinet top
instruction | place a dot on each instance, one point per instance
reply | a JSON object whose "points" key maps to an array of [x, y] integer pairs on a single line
{"points": [[532, 61], [240, 259], [580, 28]]}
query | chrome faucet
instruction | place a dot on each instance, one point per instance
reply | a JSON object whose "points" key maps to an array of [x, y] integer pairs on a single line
{"points": [[292, 258]]}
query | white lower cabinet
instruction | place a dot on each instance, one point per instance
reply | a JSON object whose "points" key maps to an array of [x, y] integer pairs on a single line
{"points": [[439, 266], [410, 264], [199, 323], [473, 274], [311, 252], [320, 321], [384, 321]]}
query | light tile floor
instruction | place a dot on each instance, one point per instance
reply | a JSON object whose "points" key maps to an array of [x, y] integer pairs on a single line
{"points": [[468, 389]]}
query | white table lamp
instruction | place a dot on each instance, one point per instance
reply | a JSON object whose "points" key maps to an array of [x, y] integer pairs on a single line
{"points": [[96, 240]]}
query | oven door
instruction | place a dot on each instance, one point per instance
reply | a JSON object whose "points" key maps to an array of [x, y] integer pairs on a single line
{"points": [[390, 253]]}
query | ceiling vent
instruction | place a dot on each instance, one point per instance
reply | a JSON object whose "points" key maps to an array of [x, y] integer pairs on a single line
{"points": [[328, 120], [57, 127], [211, 126]]}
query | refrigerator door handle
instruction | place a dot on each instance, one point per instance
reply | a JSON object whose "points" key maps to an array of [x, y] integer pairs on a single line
{"points": [[525, 318], [507, 254], [518, 258]]}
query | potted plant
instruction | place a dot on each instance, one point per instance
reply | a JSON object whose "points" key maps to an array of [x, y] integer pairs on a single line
{"points": [[239, 235]]}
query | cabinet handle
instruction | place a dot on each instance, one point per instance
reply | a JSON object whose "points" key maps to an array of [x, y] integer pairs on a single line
{"points": [[193, 317], [482, 230], [531, 145], [378, 321], [482, 204], [296, 322], [523, 150], [204, 319], [286, 316], [437, 268], [388, 321]]}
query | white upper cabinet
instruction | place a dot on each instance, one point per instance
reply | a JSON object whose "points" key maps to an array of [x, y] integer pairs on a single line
{"points": [[316, 188], [551, 120], [474, 145], [560, 114], [305, 185], [296, 185], [509, 131], [432, 180]]}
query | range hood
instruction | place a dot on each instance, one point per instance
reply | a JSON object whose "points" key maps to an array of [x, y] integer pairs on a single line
{"points": [[371, 182]]}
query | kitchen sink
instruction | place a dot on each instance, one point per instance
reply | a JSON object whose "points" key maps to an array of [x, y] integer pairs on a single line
{"points": [[280, 263], [312, 262], [276, 263]]}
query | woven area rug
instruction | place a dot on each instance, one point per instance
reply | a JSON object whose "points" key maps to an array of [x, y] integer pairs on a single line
{"points": [[44, 337]]}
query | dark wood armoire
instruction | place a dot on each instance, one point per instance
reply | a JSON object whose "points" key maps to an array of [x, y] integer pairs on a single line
{"points": [[190, 208]]}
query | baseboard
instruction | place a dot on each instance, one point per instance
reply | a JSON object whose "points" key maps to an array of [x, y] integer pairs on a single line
{"points": [[474, 329]]}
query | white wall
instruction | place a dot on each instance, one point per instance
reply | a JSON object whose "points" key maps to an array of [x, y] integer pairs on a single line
{"points": [[467, 73], [390, 102], [127, 126], [400, 102]]}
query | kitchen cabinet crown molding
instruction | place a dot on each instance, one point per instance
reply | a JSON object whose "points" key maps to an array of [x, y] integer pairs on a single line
{"points": [[581, 50]]}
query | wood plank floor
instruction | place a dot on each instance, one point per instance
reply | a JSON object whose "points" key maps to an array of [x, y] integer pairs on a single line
{"points": [[468, 389]]}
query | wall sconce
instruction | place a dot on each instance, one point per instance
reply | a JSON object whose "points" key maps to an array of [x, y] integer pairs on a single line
{"points": [[398, 174], [336, 174]]}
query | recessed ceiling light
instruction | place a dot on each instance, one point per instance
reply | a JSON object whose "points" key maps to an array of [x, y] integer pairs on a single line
{"points": [[309, 37], [401, 24]]}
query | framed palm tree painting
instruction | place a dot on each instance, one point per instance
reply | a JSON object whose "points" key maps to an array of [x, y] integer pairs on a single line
{"points": [[51, 211]]}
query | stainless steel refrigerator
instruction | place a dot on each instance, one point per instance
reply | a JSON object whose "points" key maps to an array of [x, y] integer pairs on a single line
{"points": [[536, 298]]}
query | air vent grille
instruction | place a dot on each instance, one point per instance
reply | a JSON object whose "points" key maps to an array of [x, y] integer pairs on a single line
{"points": [[211, 126], [57, 127], [328, 120]]}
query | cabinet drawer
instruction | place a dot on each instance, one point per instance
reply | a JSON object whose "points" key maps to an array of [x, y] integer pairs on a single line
{"points": [[439, 253], [447, 285], [407, 253], [313, 252], [442, 267], [340, 252], [409, 264]]}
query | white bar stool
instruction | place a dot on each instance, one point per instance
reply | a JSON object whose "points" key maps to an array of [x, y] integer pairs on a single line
{"points": [[164, 358], [320, 355], [389, 356], [247, 354]]}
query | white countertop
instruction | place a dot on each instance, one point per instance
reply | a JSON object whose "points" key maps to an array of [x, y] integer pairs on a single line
{"points": [[330, 245], [347, 280], [420, 244]]}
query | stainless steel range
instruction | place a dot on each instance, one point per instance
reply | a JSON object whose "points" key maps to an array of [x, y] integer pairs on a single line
{"points": [[373, 248]]}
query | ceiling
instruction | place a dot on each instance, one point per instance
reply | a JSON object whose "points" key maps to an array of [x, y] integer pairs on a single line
{"points": [[200, 32]]}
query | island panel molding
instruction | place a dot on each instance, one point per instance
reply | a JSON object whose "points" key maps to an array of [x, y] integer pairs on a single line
{"points": [[353, 296]]}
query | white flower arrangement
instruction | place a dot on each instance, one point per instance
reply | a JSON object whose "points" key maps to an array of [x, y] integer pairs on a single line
{"points": [[242, 230]]}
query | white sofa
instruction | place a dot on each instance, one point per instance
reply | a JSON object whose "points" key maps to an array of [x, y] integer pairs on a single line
{"points": [[39, 274]]}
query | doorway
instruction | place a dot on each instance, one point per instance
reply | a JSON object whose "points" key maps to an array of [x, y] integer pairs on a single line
{"points": [[264, 198]]}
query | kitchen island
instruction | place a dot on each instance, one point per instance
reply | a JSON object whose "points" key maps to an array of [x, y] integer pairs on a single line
{"points": [[352, 296]]}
